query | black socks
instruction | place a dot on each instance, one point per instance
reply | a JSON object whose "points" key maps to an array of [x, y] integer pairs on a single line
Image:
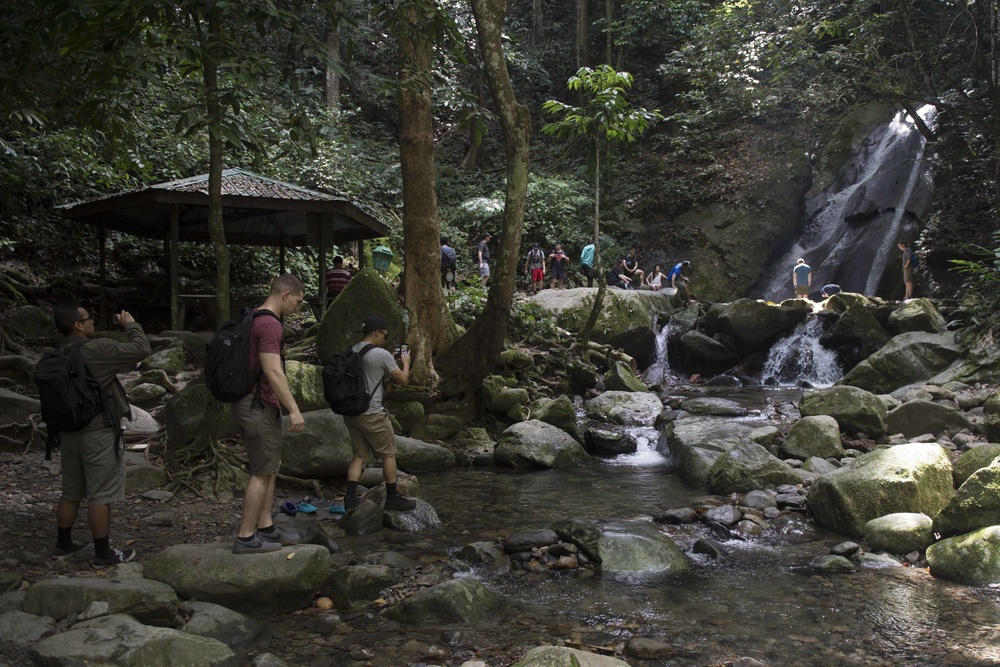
{"points": [[64, 537], [102, 547], [390, 489]]}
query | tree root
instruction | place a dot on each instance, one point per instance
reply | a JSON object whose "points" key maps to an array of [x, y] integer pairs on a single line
{"points": [[7, 343], [164, 381], [23, 367], [313, 484]]}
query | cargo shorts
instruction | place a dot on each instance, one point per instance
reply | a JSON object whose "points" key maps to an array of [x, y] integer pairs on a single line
{"points": [[91, 466], [259, 425]]}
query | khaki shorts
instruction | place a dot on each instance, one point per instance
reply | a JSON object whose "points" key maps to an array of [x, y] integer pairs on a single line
{"points": [[91, 468], [802, 290], [371, 433], [907, 274], [260, 427]]}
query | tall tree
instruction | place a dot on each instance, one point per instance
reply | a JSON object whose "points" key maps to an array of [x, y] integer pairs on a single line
{"points": [[474, 355], [605, 118]]}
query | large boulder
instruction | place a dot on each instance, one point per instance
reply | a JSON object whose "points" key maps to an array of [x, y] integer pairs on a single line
{"points": [[30, 322], [321, 449], [149, 601], [624, 407], [624, 549], [122, 640], [367, 295], [917, 315], [194, 344], [184, 411], [24, 629], [563, 656], [814, 436], [991, 417], [464, 600], [621, 378], [919, 417], [972, 460], [856, 326], [357, 586], [975, 505], [855, 410], [914, 477], [306, 383], [417, 456], [170, 359], [707, 351], [625, 320], [534, 444], [496, 396], [16, 408], [900, 533], [221, 624], [712, 405], [972, 559], [605, 440], [749, 466], [694, 444], [754, 325], [906, 359], [259, 586], [561, 413]]}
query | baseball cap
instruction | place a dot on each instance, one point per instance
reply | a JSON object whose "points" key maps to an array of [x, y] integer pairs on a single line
{"points": [[373, 324]]}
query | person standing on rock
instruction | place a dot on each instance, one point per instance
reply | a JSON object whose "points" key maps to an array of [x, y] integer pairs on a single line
{"points": [[372, 432], [587, 262], [93, 458], [802, 278], [534, 266], [909, 261], [558, 264], [258, 420]]}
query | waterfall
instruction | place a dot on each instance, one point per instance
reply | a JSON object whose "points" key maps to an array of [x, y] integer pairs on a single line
{"points": [[660, 368], [853, 226], [799, 357]]}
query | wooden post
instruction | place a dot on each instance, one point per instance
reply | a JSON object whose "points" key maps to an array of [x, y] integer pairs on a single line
{"points": [[322, 269], [103, 270], [281, 256], [175, 279]]}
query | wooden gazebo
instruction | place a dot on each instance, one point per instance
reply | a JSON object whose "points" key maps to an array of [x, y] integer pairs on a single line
{"points": [[256, 211]]}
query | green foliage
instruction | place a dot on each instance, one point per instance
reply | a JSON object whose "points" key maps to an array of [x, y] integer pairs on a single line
{"points": [[982, 284], [529, 322]]}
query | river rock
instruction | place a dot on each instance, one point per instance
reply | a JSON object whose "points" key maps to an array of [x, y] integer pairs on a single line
{"points": [[484, 553], [620, 377], [415, 456], [534, 444], [972, 559], [906, 359], [356, 586], [920, 417], [710, 405], [754, 325], [561, 413], [707, 351], [817, 465], [914, 477], [900, 533], [221, 624], [437, 427], [148, 601], [260, 586], [368, 294], [917, 315], [24, 629], [194, 344], [693, 444], [818, 435], [646, 648], [421, 517], [562, 656], [146, 392], [321, 449], [526, 540], [183, 413], [855, 410], [605, 440], [16, 408], [975, 505], [749, 466], [972, 460], [464, 600], [171, 360], [831, 564], [496, 396], [758, 500], [622, 549], [144, 477], [306, 383], [407, 413], [29, 322], [991, 417], [856, 326], [624, 407], [122, 640], [366, 519]]}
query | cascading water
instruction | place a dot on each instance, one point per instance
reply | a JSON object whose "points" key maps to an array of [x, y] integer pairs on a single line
{"points": [[659, 370], [799, 358], [853, 226]]}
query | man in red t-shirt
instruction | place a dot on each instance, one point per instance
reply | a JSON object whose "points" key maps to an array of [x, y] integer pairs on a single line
{"points": [[336, 279], [258, 417]]}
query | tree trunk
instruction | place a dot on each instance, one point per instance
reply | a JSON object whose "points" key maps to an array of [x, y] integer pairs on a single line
{"points": [[471, 160], [602, 283], [582, 43], [536, 25], [421, 229], [474, 356], [216, 231], [332, 80]]}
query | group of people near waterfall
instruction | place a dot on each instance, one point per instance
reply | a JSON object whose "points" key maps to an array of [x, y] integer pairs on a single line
{"points": [[92, 450], [802, 275]]}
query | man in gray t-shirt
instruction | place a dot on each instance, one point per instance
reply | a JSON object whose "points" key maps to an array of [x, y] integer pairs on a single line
{"points": [[371, 432]]}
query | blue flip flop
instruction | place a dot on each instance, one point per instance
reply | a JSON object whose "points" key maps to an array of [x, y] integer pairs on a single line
{"points": [[288, 507], [306, 508]]}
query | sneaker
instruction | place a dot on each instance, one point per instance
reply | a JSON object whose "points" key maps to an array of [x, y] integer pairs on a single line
{"points": [[286, 537], [118, 556], [255, 545], [60, 553], [399, 503], [350, 502]]}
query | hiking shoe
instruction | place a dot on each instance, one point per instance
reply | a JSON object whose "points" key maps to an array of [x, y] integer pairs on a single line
{"points": [[286, 537], [350, 502], [255, 545], [118, 556], [399, 503], [60, 553]]}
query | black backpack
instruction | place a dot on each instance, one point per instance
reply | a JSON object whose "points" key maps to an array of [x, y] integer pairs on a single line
{"points": [[448, 259], [70, 396], [344, 383], [227, 359]]}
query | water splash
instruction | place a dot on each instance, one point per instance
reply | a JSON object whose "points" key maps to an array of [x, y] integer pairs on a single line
{"points": [[645, 455], [799, 358], [660, 370]]}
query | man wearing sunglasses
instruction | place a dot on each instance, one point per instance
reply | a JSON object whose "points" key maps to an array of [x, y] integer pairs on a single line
{"points": [[93, 461]]}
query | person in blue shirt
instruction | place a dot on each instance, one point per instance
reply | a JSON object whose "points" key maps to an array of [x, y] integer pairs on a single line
{"points": [[679, 279], [802, 278], [829, 290], [587, 262]]}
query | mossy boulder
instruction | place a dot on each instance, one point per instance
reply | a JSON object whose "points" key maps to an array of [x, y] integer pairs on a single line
{"points": [[694, 444], [357, 586], [30, 322], [900, 533], [972, 559], [856, 326], [533, 444], [991, 417], [625, 407], [465, 600], [183, 413], [621, 378], [321, 449], [915, 418], [707, 351], [917, 315], [306, 383], [842, 301], [561, 413], [972, 460], [624, 549], [905, 359], [194, 344], [754, 325], [814, 436], [975, 505], [748, 466], [436, 427], [407, 413], [515, 359], [496, 396], [170, 359], [915, 477], [855, 410], [367, 295]]}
